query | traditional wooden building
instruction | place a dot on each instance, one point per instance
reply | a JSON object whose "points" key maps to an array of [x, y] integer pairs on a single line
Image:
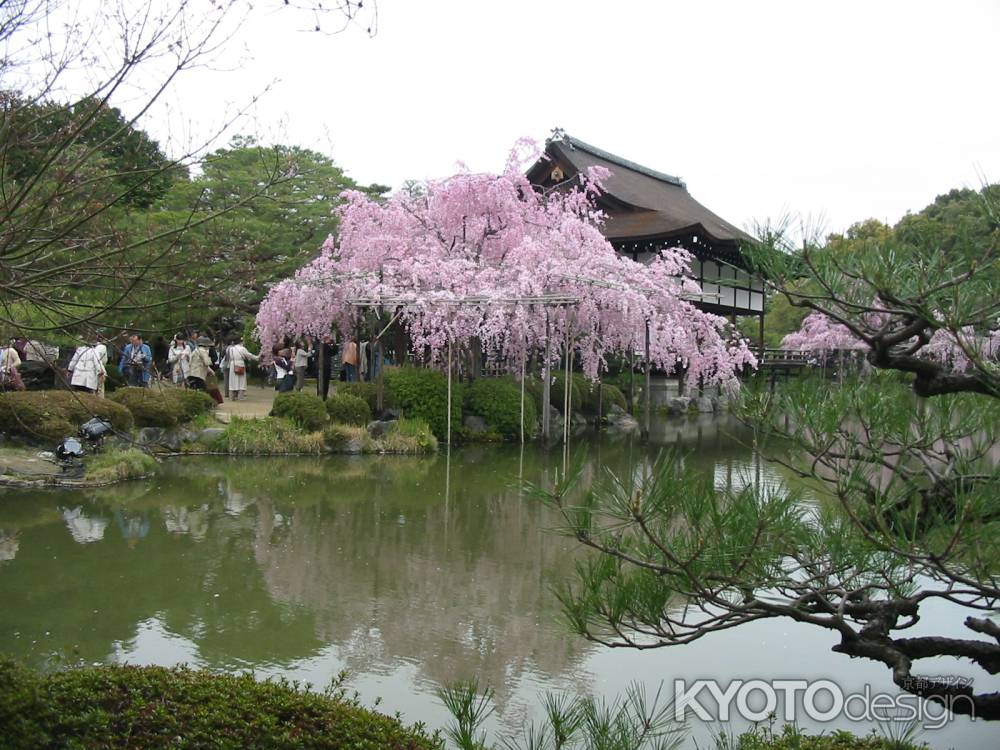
{"points": [[649, 210]]}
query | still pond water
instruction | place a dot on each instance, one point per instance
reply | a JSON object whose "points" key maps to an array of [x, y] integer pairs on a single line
{"points": [[410, 573]]}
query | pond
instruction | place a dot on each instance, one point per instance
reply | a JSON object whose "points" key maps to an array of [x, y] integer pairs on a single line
{"points": [[410, 573]]}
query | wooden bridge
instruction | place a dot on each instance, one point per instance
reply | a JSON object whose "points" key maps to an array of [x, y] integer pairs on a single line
{"points": [[788, 359]]}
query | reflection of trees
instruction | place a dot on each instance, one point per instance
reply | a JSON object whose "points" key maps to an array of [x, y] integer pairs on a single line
{"points": [[90, 596], [265, 561], [460, 590], [9, 544]]}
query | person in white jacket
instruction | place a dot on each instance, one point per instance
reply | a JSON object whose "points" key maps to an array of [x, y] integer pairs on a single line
{"points": [[88, 368], [179, 358], [237, 357]]}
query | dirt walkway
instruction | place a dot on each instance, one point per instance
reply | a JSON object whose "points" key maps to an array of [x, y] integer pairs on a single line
{"points": [[255, 402]]}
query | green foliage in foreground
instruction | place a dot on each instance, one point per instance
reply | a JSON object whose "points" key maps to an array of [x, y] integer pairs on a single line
{"points": [[152, 707], [115, 465], [344, 408], [266, 437], [498, 401], [791, 738], [49, 416], [633, 721], [306, 410]]}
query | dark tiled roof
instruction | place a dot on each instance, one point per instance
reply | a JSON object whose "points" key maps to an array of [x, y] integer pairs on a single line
{"points": [[641, 203]]}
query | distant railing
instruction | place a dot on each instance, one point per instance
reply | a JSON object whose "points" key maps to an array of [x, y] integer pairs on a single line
{"points": [[789, 358]]}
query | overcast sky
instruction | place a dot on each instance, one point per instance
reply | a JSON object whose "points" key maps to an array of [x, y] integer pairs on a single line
{"points": [[844, 110]]}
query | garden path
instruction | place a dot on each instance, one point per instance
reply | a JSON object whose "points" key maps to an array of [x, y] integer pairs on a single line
{"points": [[256, 402]]}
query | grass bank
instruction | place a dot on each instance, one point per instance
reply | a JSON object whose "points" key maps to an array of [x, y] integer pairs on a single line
{"points": [[118, 465]]}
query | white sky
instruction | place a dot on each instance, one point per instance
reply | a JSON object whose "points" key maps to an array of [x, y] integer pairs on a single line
{"points": [[845, 110]]}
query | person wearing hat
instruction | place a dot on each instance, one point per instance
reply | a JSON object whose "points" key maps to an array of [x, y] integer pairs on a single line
{"points": [[200, 364]]}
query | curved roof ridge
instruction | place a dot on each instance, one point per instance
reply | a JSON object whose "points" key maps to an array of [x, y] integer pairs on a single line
{"points": [[614, 159]]}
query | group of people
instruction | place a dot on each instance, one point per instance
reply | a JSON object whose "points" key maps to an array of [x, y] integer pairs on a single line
{"points": [[193, 361], [17, 352], [291, 363], [196, 361]]}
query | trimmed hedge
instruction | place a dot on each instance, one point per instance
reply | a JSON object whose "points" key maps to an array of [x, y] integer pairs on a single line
{"points": [[168, 407], [49, 416], [306, 410], [191, 403], [344, 408], [423, 394], [498, 401], [154, 708], [556, 393], [367, 392]]}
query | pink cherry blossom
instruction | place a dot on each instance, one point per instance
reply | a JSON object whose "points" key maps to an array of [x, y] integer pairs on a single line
{"points": [[820, 333], [471, 256]]}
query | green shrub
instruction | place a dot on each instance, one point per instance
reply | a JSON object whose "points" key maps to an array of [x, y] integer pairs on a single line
{"points": [[154, 707], [48, 416], [347, 409], [114, 465], [367, 392], [189, 403], [304, 409], [267, 437], [498, 401], [556, 393], [423, 393], [610, 396], [163, 407], [149, 406]]}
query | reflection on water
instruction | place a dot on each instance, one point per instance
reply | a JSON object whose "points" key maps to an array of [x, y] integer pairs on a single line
{"points": [[409, 572]]}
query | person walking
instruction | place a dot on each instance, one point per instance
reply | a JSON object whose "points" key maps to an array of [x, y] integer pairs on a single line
{"points": [[101, 355], [237, 357], [200, 365], [88, 368], [179, 359], [303, 351], [135, 361]]}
